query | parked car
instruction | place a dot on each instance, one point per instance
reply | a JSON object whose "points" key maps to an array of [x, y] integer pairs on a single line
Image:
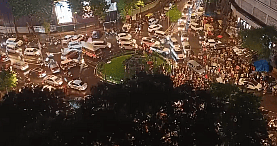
{"points": [[193, 17], [96, 34], [72, 48], [184, 37], [128, 45], [32, 52], [67, 39], [153, 21], [123, 40], [14, 41], [126, 27], [186, 47], [181, 26], [183, 19], [78, 85], [20, 65], [67, 64], [189, 5], [37, 72], [250, 84], [71, 55], [153, 28], [54, 67], [200, 11], [174, 43], [13, 49], [53, 80], [159, 49], [211, 42], [123, 36], [147, 41], [196, 66], [196, 27], [101, 44], [78, 37]]}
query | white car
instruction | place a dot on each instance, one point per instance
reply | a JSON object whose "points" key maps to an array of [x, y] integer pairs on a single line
{"points": [[78, 37], [153, 28], [125, 40], [14, 41], [75, 48], [196, 66], [123, 35], [184, 37], [147, 41], [101, 44], [250, 84], [181, 26], [13, 49], [53, 80], [126, 27], [153, 21], [32, 52], [159, 49], [20, 65], [78, 85], [183, 19], [189, 5], [211, 42], [67, 39], [196, 27], [128, 45], [200, 11], [174, 43], [186, 47]]}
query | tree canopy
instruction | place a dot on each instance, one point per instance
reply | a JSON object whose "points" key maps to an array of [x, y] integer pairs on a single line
{"points": [[174, 14], [145, 110], [259, 39], [7, 80]]}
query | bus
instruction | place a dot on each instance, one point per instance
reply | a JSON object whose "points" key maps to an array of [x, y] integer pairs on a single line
{"points": [[91, 51]]}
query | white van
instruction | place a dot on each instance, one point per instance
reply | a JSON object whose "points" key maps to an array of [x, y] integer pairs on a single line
{"points": [[13, 49], [177, 54], [20, 65], [196, 66]]}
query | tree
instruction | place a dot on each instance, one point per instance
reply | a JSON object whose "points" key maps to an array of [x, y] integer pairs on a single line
{"points": [[174, 14], [259, 39], [7, 80]]}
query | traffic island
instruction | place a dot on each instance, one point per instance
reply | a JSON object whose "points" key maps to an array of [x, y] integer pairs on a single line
{"points": [[125, 66]]}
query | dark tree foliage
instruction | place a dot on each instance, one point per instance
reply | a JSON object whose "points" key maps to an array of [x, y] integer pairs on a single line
{"points": [[145, 110]]}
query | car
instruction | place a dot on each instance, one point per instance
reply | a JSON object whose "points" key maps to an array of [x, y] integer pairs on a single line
{"points": [[186, 47], [126, 27], [153, 28], [67, 64], [73, 43], [250, 84], [128, 45], [201, 38], [37, 72], [196, 27], [184, 37], [54, 67], [53, 80], [67, 39], [123, 35], [200, 11], [77, 84], [96, 34], [147, 41], [101, 44], [211, 42], [32, 52], [193, 17], [174, 43], [73, 54], [78, 37], [124, 40], [159, 49], [20, 65], [196, 66], [181, 26], [75, 48], [183, 19], [13, 49], [153, 21], [189, 5], [14, 41]]}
